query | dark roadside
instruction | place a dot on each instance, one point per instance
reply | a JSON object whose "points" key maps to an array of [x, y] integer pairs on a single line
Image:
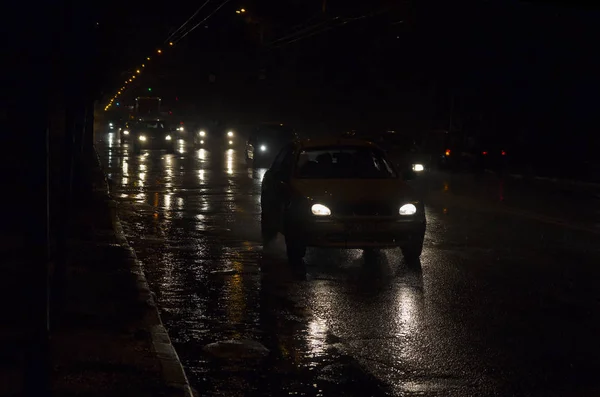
{"points": [[106, 336]]}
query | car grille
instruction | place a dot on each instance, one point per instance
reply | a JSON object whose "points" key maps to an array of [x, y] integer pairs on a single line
{"points": [[365, 209]]}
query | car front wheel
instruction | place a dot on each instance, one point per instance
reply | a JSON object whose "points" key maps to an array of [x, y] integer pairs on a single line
{"points": [[412, 250], [296, 251]]}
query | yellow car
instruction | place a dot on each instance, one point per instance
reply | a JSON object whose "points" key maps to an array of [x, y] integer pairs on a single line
{"points": [[340, 193]]}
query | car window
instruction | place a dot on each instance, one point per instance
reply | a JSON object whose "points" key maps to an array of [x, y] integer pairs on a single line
{"points": [[343, 162]]}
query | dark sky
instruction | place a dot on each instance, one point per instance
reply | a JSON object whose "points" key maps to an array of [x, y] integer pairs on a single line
{"points": [[505, 63]]}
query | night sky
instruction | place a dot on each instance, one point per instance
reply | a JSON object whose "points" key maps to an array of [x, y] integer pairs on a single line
{"points": [[510, 68]]}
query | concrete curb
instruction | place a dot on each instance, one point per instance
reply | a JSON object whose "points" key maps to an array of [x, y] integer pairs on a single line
{"points": [[172, 369]]}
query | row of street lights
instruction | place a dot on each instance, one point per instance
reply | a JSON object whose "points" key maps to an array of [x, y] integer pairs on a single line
{"points": [[130, 80], [138, 71]]}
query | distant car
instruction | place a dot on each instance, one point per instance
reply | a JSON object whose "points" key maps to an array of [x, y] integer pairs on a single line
{"points": [[342, 194], [125, 131], [152, 135], [265, 141], [216, 137]]}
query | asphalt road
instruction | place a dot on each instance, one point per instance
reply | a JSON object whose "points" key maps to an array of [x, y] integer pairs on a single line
{"points": [[507, 301]]}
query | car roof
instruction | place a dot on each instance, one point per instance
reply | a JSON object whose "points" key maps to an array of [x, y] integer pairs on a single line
{"points": [[315, 143]]}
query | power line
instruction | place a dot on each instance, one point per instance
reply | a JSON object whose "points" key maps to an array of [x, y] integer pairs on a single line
{"points": [[299, 32], [314, 33], [188, 21], [202, 21]]}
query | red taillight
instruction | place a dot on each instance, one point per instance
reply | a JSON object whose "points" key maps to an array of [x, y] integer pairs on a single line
{"points": [[484, 153], [447, 152], [503, 153]]}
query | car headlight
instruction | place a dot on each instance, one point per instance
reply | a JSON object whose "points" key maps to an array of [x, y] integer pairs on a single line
{"points": [[263, 148], [408, 209], [230, 134], [142, 138], [125, 132], [418, 167], [180, 128], [168, 137], [202, 133], [320, 210]]}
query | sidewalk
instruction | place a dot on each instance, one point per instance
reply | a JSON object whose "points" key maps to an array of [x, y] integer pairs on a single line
{"points": [[107, 339]]}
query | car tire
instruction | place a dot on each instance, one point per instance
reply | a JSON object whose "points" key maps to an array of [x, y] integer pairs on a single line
{"points": [[412, 251], [295, 251]]}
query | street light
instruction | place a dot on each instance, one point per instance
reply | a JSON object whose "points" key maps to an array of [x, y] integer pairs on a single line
{"points": [[159, 51], [148, 58], [138, 71], [243, 10], [170, 43]]}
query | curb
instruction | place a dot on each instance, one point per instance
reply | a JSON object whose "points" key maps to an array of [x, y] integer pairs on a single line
{"points": [[172, 369]]}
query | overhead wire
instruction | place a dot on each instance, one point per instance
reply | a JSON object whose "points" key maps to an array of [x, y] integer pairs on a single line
{"points": [[344, 22], [187, 21], [202, 21]]}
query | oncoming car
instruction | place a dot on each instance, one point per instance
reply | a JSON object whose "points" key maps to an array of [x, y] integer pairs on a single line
{"points": [[340, 194], [152, 135], [265, 141], [216, 137]]}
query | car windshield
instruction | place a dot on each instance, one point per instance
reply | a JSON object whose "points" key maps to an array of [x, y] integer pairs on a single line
{"points": [[343, 162]]}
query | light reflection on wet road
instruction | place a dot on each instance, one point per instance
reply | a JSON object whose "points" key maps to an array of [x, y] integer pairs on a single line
{"points": [[506, 304]]}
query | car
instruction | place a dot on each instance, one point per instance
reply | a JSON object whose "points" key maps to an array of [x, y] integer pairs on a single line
{"points": [[216, 137], [152, 135], [340, 194], [125, 131], [265, 141]]}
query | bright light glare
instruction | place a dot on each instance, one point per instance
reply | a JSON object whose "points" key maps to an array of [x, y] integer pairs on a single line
{"points": [[202, 133], [125, 132], [418, 167], [263, 148], [110, 124], [180, 128], [142, 138], [230, 133], [408, 209], [202, 142], [321, 210], [168, 137], [231, 142]]}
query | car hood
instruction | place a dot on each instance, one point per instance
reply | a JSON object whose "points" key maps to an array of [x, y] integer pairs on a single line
{"points": [[353, 190]]}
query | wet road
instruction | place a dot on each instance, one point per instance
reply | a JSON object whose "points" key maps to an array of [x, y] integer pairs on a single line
{"points": [[507, 301]]}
